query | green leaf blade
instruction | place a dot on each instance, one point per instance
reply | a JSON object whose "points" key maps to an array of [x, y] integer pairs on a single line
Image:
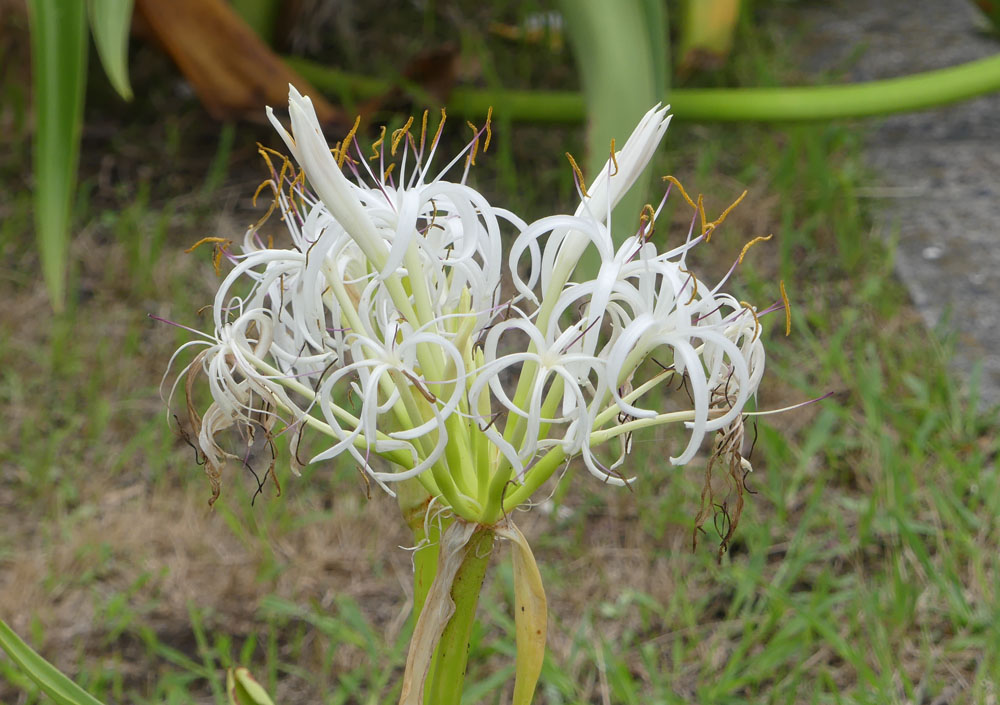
{"points": [[59, 74], [49, 678], [620, 50], [110, 21]]}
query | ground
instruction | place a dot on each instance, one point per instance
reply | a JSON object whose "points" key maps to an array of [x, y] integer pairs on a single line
{"points": [[863, 570]]}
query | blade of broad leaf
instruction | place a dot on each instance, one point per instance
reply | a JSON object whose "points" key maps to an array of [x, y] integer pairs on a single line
{"points": [[707, 29], [658, 31], [110, 21], [622, 61], [49, 678], [59, 68]]}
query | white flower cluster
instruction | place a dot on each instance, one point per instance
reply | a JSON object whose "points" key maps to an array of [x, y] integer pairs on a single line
{"points": [[394, 322]]}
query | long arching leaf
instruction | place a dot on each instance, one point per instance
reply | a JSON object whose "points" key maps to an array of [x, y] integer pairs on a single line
{"points": [[110, 21], [49, 678], [59, 68]]}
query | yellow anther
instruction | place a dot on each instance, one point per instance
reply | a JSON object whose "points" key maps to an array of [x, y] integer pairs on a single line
{"points": [[423, 131], [388, 170], [398, 135], [788, 308], [263, 185], [614, 159], [206, 240], [286, 163], [718, 221], [376, 144], [579, 175], [701, 213], [347, 142], [489, 128], [299, 180], [750, 244], [684, 194], [756, 321], [646, 217], [286, 167], [220, 243], [263, 151], [271, 151], [471, 159], [217, 260], [440, 127], [270, 209], [339, 153], [707, 227]]}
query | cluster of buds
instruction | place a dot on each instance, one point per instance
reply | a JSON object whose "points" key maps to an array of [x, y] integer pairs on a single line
{"points": [[394, 322]]}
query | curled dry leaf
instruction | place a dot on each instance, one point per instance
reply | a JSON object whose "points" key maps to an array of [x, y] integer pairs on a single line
{"points": [[530, 615], [234, 73]]}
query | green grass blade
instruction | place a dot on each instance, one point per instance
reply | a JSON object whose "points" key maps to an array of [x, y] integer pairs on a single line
{"points": [[110, 21], [59, 67], [49, 678]]}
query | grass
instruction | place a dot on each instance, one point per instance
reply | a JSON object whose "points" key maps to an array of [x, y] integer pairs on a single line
{"points": [[863, 571]]}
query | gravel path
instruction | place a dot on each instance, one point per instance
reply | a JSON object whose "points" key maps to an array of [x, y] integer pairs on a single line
{"points": [[938, 170]]}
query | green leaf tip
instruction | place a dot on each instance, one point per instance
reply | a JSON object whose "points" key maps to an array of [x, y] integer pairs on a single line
{"points": [[50, 679], [110, 21], [243, 689]]}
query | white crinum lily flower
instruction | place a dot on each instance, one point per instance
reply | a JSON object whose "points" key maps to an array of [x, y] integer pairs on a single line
{"points": [[384, 324]]}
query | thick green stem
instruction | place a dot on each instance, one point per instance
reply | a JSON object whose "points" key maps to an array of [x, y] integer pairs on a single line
{"points": [[447, 674], [894, 95]]}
